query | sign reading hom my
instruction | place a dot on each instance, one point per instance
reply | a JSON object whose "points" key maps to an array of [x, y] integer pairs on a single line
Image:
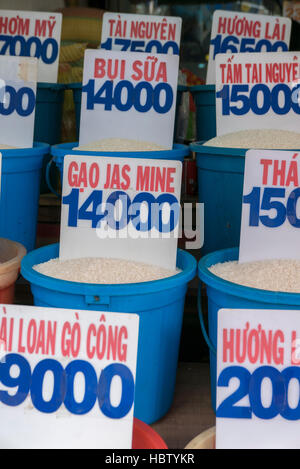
{"points": [[32, 34]]}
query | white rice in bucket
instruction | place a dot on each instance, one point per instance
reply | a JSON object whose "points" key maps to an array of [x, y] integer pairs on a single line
{"points": [[280, 275], [103, 271], [258, 139], [120, 144]]}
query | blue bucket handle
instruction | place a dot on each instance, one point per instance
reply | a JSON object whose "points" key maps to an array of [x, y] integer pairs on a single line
{"points": [[47, 176], [200, 312]]}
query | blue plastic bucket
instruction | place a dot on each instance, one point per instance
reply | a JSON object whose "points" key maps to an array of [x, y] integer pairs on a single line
{"points": [[224, 294], [77, 92], [48, 112], [58, 152], [220, 189], [20, 191], [48, 120], [205, 102], [160, 306]]}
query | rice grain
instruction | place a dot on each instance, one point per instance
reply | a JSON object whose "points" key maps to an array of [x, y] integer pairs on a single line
{"points": [[102, 271], [278, 275], [258, 139], [120, 144]]}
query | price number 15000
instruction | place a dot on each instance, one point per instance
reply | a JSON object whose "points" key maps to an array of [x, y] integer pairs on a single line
{"points": [[282, 209]]}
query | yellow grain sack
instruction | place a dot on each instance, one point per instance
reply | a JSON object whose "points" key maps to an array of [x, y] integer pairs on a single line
{"points": [[72, 52], [68, 101], [82, 25], [68, 130], [77, 73], [64, 73]]}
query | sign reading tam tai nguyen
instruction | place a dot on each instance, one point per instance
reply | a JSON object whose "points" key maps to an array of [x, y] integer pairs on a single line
{"points": [[258, 91]]}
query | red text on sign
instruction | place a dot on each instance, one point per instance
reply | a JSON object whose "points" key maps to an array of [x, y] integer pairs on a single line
{"points": [[231, 73], [107, 342], [255, 345], [239, 26], [149, 70], [14, 26], [79, 175], [280, 172], [155, 179], [243, 26], [117, 177], [6, 334], [44, 28], [140, 29], [38, 338]]}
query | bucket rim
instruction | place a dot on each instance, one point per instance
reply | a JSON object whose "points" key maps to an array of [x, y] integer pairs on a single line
{"points": [[143, 431], [196, 88], [75, 85], [14, 262], [54, 86], [199, 147], [79, 288], [182, 88], [39, 148], [62, 149], [234, 289]]}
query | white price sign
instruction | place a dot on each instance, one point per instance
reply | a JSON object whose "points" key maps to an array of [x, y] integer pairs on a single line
{"points": [[270, 215], [141, 33], [258, 379], [32, 34], [130, 96], [67, 378], [257, 91], [238, 32], [17, 100], [124, 208]]}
